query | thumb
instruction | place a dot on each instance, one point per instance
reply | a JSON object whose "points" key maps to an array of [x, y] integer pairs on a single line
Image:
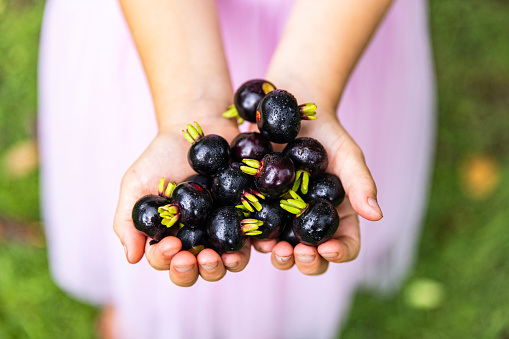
{"points": [[349, 164], [132, 240]]}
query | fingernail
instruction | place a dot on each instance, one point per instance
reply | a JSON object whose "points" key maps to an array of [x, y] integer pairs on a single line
{"points": [[374, 205], [306, 258], [232, 265], [209, 266], [282, 259], [183, 269], [332, 255]]}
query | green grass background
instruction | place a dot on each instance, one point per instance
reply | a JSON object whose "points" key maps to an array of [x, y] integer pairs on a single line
{"points": [[464, 249]]}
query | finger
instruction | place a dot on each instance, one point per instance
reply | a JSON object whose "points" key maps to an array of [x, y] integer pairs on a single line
{"points": [[183, 269], [308, 261], [210, 266], [159, 255], [345, 245], [265, 245], [132, 240], [282, 256], [339, 250], [349, 163], [237, 261]]}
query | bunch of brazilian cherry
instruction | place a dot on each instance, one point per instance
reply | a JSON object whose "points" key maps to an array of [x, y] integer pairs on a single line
{"points": [[245, 189]]}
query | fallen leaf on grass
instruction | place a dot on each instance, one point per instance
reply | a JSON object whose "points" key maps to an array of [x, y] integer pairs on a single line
{"points": [[426, 294], [480, 176], [30, 232]]}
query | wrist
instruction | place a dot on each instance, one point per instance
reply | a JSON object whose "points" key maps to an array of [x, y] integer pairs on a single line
{"points": [[207, 112], [306, 91]]}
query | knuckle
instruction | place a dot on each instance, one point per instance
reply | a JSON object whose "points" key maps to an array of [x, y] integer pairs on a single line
{"points": [[129, 176], [308, 270], [186, 281], [213, 277], [350, 254], [353, 256], [155, 263]]}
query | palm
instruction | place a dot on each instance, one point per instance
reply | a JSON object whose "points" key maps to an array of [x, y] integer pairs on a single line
{"points": [[166, 157], [344, 158]]}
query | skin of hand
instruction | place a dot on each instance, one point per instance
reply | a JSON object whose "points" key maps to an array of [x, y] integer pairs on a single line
{"points": [[347, 162], [322, 77], [313, 62], [172, 38], [167, 156]]}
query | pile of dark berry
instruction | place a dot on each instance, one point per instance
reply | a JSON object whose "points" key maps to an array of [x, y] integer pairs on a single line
{"points": [[245, 189]]}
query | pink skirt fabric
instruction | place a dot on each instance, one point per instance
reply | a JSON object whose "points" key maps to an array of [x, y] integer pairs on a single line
{"points": [[96, 117]]}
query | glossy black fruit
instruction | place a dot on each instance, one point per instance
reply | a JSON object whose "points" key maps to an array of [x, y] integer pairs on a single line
{"points": [[288, 235], [310, 159], [247, 98], [208, 153], [278, 116], [146, 217], [194, 201], [146, 214], [250, 146], [193, 238], [315, 222], [190, 204], [231, 186], [228, 230], [325, 186], [204, 181], [274, 174], [274, 219]]}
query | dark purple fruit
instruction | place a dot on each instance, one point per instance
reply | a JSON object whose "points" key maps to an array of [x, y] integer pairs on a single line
{"points": [[195, 202], [208, 153], [326, 186], [247, 98], [231, 186], [315, 222], [146, 214], [278, 116], [274, 219], [310, 159], [193, 238], [307, 154], [228, 230], [204, 181], [274, 174], [288, 235], [190, 204], [250, 146], [146, 217]]}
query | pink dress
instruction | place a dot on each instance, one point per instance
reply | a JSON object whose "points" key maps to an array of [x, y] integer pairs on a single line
{"points": [[96, 117]]}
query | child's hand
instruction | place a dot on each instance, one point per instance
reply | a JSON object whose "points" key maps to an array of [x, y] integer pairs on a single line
{"points": [[347, 162], [166, 157]]}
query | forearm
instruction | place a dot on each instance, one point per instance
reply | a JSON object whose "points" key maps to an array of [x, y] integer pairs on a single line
{"points": [[180, 46], [322, 42]]}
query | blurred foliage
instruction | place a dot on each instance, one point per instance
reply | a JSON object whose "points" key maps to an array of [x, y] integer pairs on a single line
{"points": [[458, 289], [464, 244], [31, 305], [19, 38]]}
